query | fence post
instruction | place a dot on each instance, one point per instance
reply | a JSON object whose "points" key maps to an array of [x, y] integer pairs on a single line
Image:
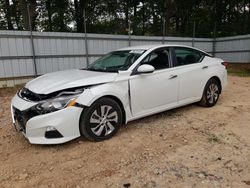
{"points": [[86, 38], [32, 41]]}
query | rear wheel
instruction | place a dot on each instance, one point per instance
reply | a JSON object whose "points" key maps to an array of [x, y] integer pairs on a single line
{"points": [[211, 93], [101, 120]]}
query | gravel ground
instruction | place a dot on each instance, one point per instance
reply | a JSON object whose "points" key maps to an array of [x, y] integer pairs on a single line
{"points": [[190, 146]]}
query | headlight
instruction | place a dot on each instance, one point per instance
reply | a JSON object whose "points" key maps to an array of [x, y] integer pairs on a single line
{"points": [[55, 104]]}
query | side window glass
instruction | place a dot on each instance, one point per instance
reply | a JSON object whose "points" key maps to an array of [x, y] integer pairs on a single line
{"points": [[185, 56], [159, 59], [152, 57]]}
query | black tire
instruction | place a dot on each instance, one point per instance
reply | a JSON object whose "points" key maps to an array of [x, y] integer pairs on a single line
{"points": [[211, 93], [97, 128]]}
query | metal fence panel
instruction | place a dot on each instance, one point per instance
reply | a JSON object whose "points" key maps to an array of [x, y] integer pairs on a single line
{"points": [[234, 49], [239, 57], [55, 51]]}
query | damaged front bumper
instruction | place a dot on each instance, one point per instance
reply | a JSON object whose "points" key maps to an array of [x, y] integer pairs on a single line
{"points": [[51, 128]]}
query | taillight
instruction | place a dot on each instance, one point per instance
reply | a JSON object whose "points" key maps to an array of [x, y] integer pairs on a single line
{"points": [[225, 64]]}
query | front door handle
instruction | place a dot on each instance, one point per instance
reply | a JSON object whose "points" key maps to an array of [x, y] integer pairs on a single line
{"points": [[205, 67], [172, 76]]}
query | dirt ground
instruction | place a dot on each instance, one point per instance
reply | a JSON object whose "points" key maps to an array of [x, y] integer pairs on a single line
{"points": [[187, 147]]}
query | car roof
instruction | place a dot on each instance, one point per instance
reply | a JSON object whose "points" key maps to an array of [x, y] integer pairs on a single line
{"points": [[150, 46]]}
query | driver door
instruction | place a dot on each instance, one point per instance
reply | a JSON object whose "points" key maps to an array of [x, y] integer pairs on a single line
{"points": [[157, 91]]}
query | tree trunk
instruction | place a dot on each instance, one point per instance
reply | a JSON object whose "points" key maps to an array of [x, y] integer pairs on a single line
{"points": [[49, 9], [79, 17], [126, 8], [230, 11], [248, 29], [167, 12], [17, 15], [8, 15], [177, 24], [249, 12], [76, 6], [143, 17], [135, 19], [155, 20], [183, 25], [32, 9]]}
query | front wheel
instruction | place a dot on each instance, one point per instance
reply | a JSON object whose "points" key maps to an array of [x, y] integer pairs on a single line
{"points": [[211, 93], [101, 120]]}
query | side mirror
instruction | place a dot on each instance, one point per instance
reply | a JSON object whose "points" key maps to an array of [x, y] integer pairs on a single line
{"points": [[145, 69]]}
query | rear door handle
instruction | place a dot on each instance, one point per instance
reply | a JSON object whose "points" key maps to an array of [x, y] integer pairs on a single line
{"points": [[172, 76], [205, 67]]}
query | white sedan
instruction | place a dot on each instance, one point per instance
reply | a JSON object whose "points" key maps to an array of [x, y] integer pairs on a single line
{"points": [[122, 86]]}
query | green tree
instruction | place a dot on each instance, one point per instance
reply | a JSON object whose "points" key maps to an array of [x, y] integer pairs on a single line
{"points": [[145, 17]]}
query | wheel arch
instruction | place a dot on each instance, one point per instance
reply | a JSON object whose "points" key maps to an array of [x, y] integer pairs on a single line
{"points": [[118, 101], [218, 80]]}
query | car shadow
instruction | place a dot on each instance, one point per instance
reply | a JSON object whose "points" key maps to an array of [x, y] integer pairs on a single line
{"points": [[176, 112], [173, 113]]}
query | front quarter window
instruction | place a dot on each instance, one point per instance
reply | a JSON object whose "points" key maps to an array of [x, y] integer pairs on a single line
{"points": [[115, 61]]}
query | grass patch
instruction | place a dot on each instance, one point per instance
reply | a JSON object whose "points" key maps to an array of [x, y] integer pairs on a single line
{"points": [[239, 69]]}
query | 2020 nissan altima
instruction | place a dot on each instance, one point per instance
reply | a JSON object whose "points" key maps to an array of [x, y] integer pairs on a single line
{"points": [[122, 86]]}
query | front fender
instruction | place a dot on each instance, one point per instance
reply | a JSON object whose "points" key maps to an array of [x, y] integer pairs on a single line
{"points": [[115, 89]]}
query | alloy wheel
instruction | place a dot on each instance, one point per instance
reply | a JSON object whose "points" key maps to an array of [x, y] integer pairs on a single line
{"points": [[103, 120], [212, 93]]}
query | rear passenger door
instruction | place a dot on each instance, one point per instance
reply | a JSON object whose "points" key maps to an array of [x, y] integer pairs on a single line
{"points": [[192, 73]]}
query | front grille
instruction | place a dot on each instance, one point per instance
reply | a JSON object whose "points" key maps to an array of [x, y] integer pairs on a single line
{"points": [[22, 117]]}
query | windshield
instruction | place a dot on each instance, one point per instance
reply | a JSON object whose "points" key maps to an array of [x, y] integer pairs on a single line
{"points": [[115, 61]]}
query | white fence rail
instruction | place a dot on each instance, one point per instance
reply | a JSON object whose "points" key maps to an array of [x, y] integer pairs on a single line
{"points": [[59, 51]]}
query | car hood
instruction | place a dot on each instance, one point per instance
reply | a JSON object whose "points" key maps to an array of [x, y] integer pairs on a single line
{"points": [[57, 81]]}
